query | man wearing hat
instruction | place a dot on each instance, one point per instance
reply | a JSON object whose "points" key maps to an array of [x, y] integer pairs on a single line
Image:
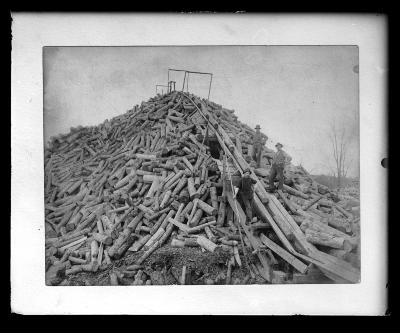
{"points": [[247, 192], [257, 143], [280, 159]]}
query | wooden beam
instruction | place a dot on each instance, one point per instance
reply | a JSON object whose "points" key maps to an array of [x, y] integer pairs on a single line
{"points": [[292, 260], [254, 241]]}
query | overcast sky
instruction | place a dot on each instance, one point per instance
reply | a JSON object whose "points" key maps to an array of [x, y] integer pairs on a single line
{"points": [[293, 92]]}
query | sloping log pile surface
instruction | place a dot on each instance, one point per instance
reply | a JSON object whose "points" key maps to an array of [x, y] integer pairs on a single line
{"points": [[148, 197]]}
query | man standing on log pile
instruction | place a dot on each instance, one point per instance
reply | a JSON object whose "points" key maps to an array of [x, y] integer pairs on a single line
{"points": [[280, 159], [258, 143], [247, 192]]}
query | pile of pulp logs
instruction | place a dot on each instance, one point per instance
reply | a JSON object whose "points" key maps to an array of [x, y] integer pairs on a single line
{"points": [[166, 173]]}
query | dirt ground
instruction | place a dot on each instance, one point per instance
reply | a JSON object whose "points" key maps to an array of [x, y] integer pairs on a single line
{"points": [[164, 267]]}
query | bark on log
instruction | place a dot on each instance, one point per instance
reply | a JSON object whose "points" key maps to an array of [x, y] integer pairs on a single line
{"points": [[293, 191], [321, 238], [102, 238], [192, 191], [196, 218], [214, 198], [221, 213], [311, 203], [206, 243], [209, 210]]}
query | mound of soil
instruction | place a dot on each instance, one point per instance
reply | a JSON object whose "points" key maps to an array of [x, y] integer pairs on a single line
{"points": [[164, 267]]}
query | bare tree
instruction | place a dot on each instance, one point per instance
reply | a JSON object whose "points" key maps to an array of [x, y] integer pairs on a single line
{"points": [[340, 140]]}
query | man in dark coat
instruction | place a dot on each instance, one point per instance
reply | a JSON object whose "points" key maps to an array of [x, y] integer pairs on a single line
{"points": [[247, 192]]}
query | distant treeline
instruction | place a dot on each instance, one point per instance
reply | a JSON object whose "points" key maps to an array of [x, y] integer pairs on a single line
{"points": [[331, 181]]}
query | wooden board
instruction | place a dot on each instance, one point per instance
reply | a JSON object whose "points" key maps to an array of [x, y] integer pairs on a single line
{"points": [[255, 241], [292, 260]]}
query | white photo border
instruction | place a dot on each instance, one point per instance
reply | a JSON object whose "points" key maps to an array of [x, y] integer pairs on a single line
{"points": [[31, 32]]}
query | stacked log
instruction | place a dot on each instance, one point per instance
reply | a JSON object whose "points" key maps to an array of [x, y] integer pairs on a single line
{"points": [[147, 179]]}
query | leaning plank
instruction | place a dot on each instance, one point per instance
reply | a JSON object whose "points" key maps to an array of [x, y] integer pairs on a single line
{"points": [[297, 232], [266, 217], [296, 263], [255, 243]]}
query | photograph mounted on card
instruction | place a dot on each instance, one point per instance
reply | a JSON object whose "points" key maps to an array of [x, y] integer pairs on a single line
{"points": [[198, 164]]}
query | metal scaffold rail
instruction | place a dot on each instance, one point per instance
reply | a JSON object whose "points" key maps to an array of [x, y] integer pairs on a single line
{"points": [[186, 78], [170, 87], [161, 85]]}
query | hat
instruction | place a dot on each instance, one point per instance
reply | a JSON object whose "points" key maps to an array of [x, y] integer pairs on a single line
{"points": [[258, 126], [279, 144]]}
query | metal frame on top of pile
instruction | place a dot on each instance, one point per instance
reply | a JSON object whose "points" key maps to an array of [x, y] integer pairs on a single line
{"points": [[187, 82]]}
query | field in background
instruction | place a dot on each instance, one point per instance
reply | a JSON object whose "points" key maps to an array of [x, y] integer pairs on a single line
{"points": [[331, 181]]}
